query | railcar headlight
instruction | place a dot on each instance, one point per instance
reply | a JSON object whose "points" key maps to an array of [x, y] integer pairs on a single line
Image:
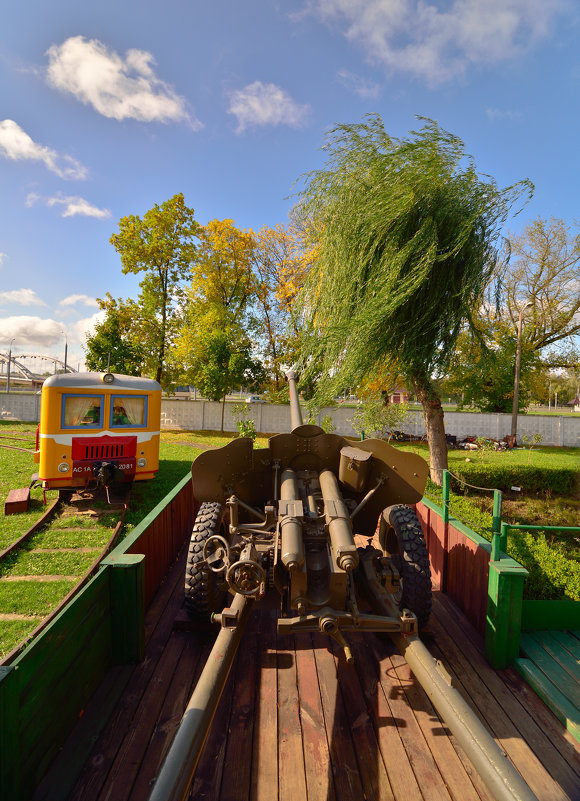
{"points": [[141, 462], [63, 467], [108, 378]]}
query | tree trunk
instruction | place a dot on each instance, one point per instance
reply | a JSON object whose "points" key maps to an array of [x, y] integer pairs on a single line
{"points": [[223, 411], [433, 416]]}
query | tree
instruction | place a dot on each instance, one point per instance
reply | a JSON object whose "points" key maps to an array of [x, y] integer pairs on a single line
{"points": [[221, 364], [482, 373], [543, 276], [115, 344], [280, 264], [161, 245], [375, 418], [219, 297], [221, 273], [541, 280], [407, 237]]}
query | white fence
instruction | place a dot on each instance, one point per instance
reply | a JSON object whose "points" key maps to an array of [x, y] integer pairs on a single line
{"points": [[270, 419], [188, 415], [16, 406]]}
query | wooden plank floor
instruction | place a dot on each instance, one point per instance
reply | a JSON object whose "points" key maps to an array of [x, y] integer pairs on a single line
{"points": [[550, 662], [296, 723]]}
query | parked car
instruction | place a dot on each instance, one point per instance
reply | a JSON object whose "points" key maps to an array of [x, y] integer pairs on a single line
{"points": [[255, 399]]}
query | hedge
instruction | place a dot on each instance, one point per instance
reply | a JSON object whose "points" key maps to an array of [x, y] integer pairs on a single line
{"points": [[531, 478]]}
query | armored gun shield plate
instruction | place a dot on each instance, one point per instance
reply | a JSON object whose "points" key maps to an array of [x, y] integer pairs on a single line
{"points": [[234, 469]]}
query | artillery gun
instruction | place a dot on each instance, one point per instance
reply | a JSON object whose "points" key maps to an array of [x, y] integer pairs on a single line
{"points": [[288, 517]]}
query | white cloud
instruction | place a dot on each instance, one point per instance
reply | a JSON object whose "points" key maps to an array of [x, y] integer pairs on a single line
{"points": [[17, 145], [72, 300], [23, 297], [82, 328], [74, 205], [437, 41], [118, 88], [3, 257], [265, 104], [367, 90], [30, 331]]}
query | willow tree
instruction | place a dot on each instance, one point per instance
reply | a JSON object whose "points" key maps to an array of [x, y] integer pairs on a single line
{"points": [[407, 235]]}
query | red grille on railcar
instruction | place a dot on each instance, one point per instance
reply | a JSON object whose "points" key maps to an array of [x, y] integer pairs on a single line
{"points": [[106, 447]]}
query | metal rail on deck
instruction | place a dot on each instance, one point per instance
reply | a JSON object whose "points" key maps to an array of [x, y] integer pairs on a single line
{"points": [[499, 539]]}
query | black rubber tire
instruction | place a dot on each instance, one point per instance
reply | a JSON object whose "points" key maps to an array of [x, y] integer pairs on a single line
{"points": [[412, 561], [204, 594]]}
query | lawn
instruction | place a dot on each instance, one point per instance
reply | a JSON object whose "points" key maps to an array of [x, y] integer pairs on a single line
{"points": [[16, 469]]}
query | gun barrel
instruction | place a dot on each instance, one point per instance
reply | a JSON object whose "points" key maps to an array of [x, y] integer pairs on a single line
{"points": [[175, 777], [295, 412]]}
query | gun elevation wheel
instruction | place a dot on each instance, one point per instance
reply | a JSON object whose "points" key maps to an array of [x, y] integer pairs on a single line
{"points": [[401, 538], [205, 590]]}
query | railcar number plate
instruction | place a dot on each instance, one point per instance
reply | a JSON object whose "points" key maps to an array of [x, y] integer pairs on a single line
{"points": [[86, 468]]}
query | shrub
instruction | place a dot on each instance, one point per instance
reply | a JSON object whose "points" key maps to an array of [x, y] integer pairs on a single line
{"points": [[554, 574], [531, 478], [245, 424]]}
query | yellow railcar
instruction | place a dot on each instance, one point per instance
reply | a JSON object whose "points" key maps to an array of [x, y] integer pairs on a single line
{"points": [[96, 429]]}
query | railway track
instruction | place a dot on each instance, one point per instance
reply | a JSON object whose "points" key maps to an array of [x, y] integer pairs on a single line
{"points": [[49, 563], [9, 440]]}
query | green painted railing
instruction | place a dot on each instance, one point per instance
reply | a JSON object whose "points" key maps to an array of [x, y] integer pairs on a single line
{"points": [[44, 691]]}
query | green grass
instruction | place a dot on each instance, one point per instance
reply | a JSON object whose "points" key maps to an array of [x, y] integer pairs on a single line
{"points": [[552, 558], [85, 521], [13, 632], [32, 597], [35, 563], [69, 538], [16, 469]]}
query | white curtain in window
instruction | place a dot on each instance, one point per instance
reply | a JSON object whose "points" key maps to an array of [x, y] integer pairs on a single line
{"points": [[76, 408], [135, 408]]}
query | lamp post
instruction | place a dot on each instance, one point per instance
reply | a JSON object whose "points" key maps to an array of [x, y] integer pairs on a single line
{"points": [[65, 348], [9, 362], [517, 373]]}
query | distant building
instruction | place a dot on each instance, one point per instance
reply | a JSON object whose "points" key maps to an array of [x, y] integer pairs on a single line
{"points": [[398, 395]]}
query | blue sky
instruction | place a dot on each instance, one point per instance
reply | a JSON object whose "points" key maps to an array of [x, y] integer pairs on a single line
{"points": [[107, 108]]}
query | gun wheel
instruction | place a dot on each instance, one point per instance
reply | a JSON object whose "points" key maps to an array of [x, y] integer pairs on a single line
{"points": [[205, 591], [402, 539]]}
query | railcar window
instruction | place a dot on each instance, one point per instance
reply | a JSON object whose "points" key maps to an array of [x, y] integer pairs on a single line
{"points": [[82, 411], [128, 410]]}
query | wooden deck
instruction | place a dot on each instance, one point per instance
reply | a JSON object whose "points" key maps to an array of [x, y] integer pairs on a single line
{"points": [[550, 662], [296, 723]]}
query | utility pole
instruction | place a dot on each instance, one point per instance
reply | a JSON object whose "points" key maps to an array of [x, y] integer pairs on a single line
{"points": [[517, 372], [9, 363]]}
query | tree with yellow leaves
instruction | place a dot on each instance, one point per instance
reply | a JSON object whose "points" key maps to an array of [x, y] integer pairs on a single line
{"points": [[281, 265]]}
